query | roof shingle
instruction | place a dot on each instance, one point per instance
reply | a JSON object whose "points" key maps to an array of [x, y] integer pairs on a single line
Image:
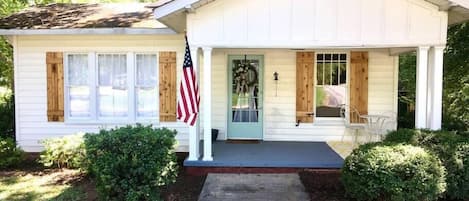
{"points": [[70, 16]]}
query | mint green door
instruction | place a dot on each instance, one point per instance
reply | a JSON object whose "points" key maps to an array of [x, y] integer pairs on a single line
{"points": [[245, 88]]}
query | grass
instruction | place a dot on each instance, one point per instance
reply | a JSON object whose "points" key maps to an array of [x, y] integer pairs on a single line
{"points": [[57, 185]]}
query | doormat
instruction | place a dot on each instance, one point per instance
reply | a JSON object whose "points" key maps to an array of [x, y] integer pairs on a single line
{"points": [[243, 141]]}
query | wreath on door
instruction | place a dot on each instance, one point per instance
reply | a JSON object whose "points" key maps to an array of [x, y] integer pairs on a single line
{"points": [[244, 76]]}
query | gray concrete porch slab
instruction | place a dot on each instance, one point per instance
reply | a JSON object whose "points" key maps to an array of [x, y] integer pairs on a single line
{"points": [[256, 187], [271, 154]]}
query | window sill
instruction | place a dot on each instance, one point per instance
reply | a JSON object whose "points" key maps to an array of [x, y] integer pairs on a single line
{"points": [[111, 122]]}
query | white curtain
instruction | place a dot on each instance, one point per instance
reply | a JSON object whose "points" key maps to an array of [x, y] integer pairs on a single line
{"points": [[78, 87], [113, 92], [146, 90]]}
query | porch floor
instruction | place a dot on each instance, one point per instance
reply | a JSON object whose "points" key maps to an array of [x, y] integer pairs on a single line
{"points": [[271, 154]]}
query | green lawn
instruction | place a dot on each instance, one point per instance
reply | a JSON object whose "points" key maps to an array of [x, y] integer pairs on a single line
{"points": [[42, 185]]}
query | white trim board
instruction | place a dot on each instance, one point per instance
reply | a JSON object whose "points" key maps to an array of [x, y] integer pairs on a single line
{"points": [[99, 31]]}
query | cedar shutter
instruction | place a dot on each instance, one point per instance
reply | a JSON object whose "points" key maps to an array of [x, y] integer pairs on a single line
{"points": [[167, 68], [359, 82], [55, 86], [304, 87]]}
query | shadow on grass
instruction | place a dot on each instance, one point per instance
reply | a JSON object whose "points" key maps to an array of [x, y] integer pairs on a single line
{"points": [[71, 194]]}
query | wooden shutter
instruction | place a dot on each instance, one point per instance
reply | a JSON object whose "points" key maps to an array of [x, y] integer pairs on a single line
{"points": [[167, 68], [359, 82], [304, 87], [55, 86]]}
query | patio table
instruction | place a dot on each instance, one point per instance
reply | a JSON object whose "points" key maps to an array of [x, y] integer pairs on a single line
{"points": [[374, 123]]}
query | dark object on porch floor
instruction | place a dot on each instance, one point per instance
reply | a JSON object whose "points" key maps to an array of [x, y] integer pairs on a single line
{"points": [[271, 154], [243, 141]]}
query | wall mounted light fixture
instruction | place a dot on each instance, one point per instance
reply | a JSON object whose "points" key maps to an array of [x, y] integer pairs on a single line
{"points": [[276, 83]]}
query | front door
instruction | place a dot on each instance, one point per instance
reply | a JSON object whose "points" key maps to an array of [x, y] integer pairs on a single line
{"points": [[245, 89]]}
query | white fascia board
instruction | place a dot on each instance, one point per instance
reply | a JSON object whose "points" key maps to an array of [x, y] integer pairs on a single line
{"points": [[172, 7], [462, 3], [89, 31]]}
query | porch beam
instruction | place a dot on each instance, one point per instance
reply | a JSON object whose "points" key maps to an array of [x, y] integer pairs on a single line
{"points": [[421, 88], [207, 99], [435, 87], [194, 136]]}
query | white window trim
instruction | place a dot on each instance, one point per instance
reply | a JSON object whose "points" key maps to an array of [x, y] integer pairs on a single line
{"points": [[331, 120], [93, 86]]}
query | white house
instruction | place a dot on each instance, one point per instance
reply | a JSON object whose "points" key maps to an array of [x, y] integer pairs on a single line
{"points": [[270, 70]]}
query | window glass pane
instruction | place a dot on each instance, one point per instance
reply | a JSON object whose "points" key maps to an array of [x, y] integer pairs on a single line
{"points": [[113, 102], [112, 93], [245, 83], [331, 88], [327, 73], [335, 73], [146, 92], [320, 73], [79, 101], [146, 70], [78, 86], [343, 73], [147, 102], [329, 100], [77, 69]]}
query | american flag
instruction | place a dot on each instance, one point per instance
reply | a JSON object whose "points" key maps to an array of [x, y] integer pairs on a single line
{"points": [[189, 99]]}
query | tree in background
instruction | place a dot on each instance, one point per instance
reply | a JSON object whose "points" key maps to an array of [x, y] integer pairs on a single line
{"points": [[455, 82]]}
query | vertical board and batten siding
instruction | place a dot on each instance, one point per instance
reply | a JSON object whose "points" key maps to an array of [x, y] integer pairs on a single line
{"points": [[317, 23], [280, 108], [31, 81]]}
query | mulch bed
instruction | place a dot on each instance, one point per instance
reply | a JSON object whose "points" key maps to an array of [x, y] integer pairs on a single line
{"points": [[323, 185], [187, 187]]}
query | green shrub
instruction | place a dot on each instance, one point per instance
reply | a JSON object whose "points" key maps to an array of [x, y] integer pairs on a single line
{"points": [[130, 163], [451, 148], [7, 117], [10, 154], [64, 152], [394, 172]]}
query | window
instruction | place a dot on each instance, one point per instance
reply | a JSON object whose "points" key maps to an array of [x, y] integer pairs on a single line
{"points": [[331, 84], [111, 87], [146, 86], [78, 85]]}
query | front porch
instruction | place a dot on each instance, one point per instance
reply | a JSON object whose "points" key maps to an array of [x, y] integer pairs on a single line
{"points": [[268, 154]]}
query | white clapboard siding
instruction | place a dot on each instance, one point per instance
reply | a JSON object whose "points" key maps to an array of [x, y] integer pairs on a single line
{"points": [[31, 83], [280, 110], [317, 23]]}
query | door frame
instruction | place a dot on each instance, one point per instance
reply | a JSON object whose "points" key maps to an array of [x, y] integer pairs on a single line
{"points": [[230, 57]]}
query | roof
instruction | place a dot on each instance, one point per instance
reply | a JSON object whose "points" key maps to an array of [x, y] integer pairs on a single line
{"points": [[79, 16]]}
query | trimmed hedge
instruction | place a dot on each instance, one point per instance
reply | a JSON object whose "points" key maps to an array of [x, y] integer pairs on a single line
{"points": [[10, 154], [131, 163], [395, 172], [451, 148], [67, 151]]}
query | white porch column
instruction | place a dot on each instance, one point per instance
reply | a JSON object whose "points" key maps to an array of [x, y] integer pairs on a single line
{"points": [[207, 101], [194, 136], [435, 87], [421, 88]]}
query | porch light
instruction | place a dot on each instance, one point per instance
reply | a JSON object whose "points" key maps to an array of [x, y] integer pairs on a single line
{"points": [[276, 82]]}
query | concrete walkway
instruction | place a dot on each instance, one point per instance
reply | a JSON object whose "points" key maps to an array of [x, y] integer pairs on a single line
{"points": [[256, 187]]}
